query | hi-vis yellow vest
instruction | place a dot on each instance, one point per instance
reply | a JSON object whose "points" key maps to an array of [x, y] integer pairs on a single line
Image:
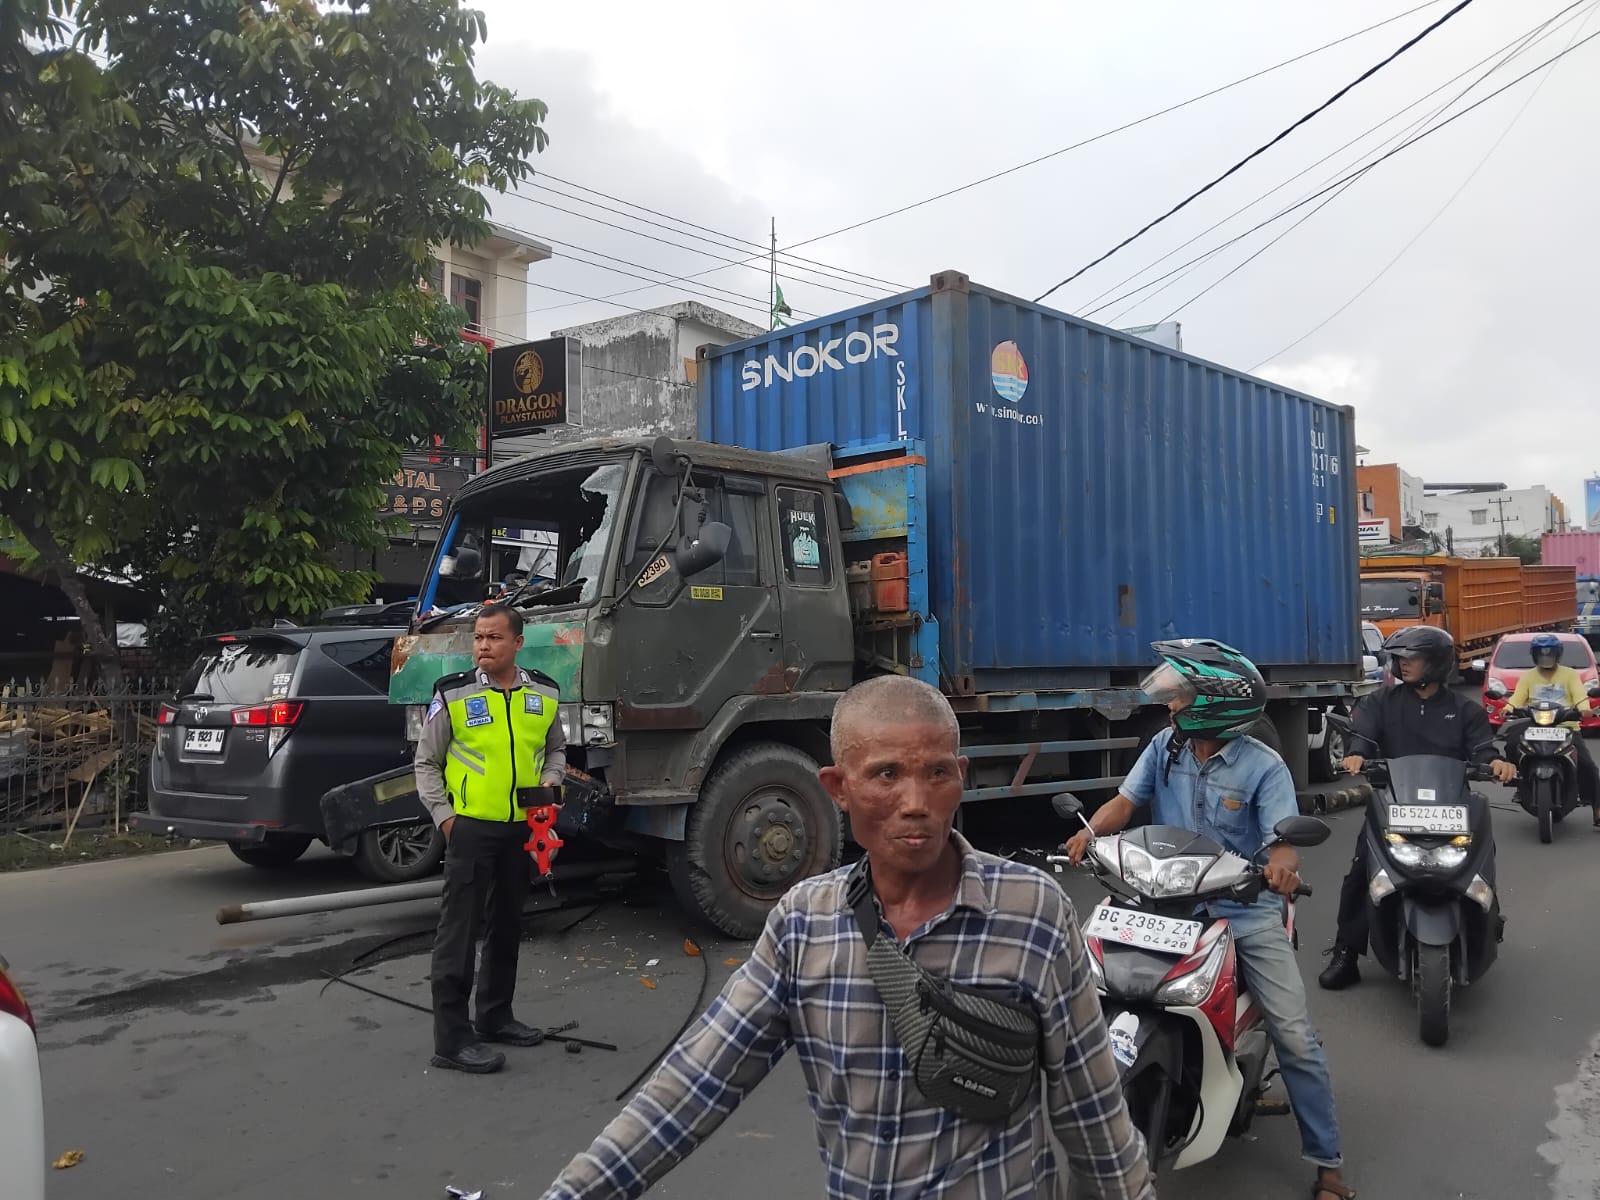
{"points": [[497, 741]]}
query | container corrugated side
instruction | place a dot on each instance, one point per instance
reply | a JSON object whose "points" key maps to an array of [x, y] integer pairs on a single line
{"points": [[1088, 492], [1580, 551]]}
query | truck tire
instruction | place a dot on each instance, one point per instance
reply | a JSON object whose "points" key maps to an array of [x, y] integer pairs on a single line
{"points": [[1267, 733], [763, 823], [1328, 763], [273, 853], [400, 853]]}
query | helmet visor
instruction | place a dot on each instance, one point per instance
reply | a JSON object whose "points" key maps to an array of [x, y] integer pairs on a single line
{"points": [[1166, 684]]}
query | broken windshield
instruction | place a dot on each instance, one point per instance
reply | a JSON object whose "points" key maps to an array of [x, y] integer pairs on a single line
{"points": [[544, 539]]}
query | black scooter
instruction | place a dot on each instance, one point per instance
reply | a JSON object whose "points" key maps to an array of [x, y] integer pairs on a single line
{"points": [[1432, 914], [1545, 753]]}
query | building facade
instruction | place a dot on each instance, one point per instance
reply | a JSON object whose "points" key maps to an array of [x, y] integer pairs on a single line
{"points": [[1388, 493], [1473, 522]]}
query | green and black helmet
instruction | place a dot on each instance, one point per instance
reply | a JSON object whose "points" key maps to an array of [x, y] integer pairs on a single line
{"points": [[1226, 693]]}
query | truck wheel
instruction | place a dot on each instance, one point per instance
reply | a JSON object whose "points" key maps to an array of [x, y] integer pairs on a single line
{"points": [[1327, 763], [400, 853], [1267, 733], [1433, 994], [274, 852], [763, 823]]}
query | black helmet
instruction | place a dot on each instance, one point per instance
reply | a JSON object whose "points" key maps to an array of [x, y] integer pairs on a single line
{"points": [[1435, 647]]}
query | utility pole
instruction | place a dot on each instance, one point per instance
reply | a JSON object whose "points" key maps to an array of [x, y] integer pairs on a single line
{"points": [[772, 280], [1500, 503]]}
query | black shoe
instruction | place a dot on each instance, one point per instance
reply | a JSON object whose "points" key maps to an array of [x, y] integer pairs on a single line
{"points": [[1500, 928], [513, 1033], [1341, 970], [475, 1059]]}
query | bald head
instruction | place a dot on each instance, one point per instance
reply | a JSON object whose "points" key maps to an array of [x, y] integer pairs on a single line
{"points": [[888, 699]]}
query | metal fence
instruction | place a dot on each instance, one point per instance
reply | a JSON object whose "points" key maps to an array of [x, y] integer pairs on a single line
{"points": [[74, 756]]}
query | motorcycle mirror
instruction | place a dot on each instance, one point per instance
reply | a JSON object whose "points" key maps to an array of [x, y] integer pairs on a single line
{"points": [[1594, 691], [1066, 805], [1302, 831]]}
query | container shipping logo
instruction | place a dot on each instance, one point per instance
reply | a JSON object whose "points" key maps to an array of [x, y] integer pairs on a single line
{"points": [[1009, 372]]}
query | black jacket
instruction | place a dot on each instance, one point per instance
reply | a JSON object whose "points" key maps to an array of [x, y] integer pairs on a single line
{"points": [[1395, 723]]}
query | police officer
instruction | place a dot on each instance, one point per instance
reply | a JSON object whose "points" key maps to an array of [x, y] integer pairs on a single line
{"points": [[490, 734]]}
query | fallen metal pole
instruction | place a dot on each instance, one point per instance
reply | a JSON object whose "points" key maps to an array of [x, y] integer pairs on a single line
{"points": [[299, 906]]}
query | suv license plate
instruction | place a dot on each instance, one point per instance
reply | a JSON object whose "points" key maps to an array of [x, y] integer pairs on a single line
{"points": [[1130, 927], [1428, 818], [204, 741], [1538, 733]]}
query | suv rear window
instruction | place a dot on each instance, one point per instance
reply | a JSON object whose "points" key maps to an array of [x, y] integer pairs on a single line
{"points": [[245, 672]]}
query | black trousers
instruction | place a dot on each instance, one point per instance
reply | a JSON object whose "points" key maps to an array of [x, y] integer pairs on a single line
{"points": [[1352, 932], [1588, 774], [486, 877]]}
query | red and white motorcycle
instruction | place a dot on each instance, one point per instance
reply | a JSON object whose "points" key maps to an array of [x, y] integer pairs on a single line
{"points": [[1194, 1055]]}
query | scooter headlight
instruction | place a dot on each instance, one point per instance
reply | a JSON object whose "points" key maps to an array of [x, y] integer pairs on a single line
{"points": [[1191, 989], [1544, 716], [1447, 858], [1421, 858], [1138, 869]]}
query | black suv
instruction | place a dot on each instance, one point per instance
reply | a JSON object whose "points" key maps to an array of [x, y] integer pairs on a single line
{"points": [[265, 722]]}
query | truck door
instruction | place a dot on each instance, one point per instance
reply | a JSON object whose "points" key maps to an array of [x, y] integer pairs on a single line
{"points": [[689, 645], [819, 646]]}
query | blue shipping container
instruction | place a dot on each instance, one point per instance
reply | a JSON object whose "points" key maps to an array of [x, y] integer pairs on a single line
{"points": [[1086, 492]]}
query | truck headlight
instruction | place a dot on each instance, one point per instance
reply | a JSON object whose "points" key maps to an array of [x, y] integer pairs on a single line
{"points": [[587, 724]]}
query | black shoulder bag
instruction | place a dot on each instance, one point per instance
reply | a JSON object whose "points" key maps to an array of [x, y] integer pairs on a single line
{"points": [[969, 1051]]}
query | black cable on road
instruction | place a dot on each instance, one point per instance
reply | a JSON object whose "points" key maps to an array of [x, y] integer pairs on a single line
{"points": [[1260, 150], [699, 1003]]}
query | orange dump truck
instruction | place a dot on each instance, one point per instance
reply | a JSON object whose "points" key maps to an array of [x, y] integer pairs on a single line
{"points": [[1479, 600]]}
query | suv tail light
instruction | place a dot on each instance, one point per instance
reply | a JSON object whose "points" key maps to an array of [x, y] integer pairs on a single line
{"points": [[279, 713], [11, 1001]]}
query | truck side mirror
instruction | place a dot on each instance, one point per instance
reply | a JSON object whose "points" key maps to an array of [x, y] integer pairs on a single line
{"points": [[664, 457], [1436, 593], [709, 547]]}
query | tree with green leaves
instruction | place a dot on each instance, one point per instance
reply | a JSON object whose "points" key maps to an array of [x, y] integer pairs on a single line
{"points": [[213, 346]]}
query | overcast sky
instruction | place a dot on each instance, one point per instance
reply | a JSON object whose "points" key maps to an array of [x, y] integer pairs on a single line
{"points": [[1470, 359]]}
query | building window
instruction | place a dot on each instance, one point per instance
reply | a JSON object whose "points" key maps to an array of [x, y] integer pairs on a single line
{"points": [[467, 292], [433, 280], [1480, 516], [1430, 520]]}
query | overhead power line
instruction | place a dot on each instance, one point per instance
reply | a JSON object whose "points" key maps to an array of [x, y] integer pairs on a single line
{"points": [[762, 251], [1512, 49], [666, 242], [1101, 136], [1262, 149], [1433, 220]]}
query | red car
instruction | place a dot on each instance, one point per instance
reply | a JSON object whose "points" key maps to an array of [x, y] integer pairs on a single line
{"points": [[1512, 657]]}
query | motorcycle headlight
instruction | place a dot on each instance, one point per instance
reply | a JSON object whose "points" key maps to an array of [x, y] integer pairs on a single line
{"points": [[1447, 858], [1138, 869], [1405, 853], [1544, 716], [1178, 876], [1191, 989]]}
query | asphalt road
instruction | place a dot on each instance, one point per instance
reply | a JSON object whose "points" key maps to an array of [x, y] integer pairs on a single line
{"points": [[194, 1061]]}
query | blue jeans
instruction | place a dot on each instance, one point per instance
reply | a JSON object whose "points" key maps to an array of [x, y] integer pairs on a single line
{"points": [[1268, 968]]}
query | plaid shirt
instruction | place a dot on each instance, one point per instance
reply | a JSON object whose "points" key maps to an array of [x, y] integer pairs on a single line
{"points": [[806, 985]]}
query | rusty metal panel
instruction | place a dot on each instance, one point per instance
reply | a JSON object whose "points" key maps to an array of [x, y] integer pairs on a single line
{"points": [[1087, 492]]}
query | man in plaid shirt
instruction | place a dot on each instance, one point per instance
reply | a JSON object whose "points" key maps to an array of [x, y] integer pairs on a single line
{"points": [[963, 915]]}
